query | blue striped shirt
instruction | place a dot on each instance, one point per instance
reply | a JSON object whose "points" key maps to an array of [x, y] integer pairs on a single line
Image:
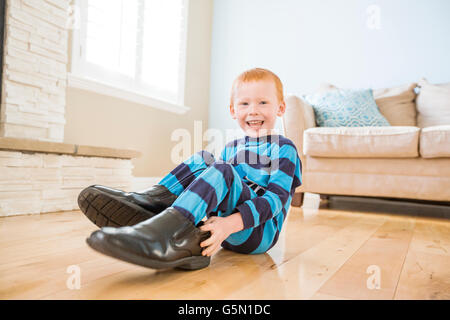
{"points": [[272, 163]]}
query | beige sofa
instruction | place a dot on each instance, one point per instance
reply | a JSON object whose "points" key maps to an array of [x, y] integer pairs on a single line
{"points": [[409, 159]]}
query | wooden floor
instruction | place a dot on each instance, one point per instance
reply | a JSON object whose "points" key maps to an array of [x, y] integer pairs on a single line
{"points": [[321, 254]]}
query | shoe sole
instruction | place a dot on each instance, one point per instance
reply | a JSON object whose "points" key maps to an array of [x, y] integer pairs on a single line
{"points": [[105, 247], [106, 210]]}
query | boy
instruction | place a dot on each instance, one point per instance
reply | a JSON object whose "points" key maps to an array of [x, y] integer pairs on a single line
{"points": [[245, 194]]}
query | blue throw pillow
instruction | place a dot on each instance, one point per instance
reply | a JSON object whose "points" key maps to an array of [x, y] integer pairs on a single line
{"points": [[346, 108]]}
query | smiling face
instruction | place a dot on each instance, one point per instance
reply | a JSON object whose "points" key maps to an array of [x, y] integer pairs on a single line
{"points": [[256, 106]]}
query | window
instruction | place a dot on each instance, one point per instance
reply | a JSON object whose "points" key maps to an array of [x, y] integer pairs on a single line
{"points": [[138, 46]]}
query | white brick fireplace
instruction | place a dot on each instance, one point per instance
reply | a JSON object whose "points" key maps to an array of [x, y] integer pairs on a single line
{"points": [[38, 171], [35, 69]]}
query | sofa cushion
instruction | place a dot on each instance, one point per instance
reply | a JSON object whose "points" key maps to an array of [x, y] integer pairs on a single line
{"points": [[362, 142], [435, 142], [396, 104], [433, 104], [346, 108]]}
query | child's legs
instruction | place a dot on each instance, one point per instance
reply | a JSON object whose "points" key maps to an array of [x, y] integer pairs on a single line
{"points": [[220, 188], [217, 189], [261, 238], [256, 240], [187, 171]]}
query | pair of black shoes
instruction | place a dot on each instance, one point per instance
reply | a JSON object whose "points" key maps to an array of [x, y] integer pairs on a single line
{"points": [[142, 228]]}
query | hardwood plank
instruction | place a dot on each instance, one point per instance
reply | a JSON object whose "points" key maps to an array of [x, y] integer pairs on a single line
{"points": [[302, 276], [107, 152], [20, 144], [31, 145], [425, 276], [426, 272], [235, 269], [385, 250], [318, 252], [30, 284], [431, 236]]}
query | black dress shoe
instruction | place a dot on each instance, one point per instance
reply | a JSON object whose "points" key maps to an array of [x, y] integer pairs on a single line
{"points": [[156, 198], [106, 206], [168, 240]]}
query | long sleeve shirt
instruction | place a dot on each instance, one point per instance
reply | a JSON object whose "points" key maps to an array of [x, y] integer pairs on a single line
{"points": [[270, 162]]}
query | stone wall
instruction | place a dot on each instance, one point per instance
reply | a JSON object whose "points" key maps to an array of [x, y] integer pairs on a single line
{"points": [[40, 182], [35, 69], [38, 172]]}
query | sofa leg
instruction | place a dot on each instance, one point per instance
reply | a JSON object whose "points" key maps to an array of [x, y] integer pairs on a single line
{"points": [[297, 199], [324, 201]]}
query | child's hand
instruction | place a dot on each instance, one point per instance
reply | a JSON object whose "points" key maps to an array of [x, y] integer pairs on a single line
{"points": [[220, 228]]}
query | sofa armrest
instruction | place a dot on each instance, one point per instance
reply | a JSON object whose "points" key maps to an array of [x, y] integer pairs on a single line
{"points": [[298, 117]]}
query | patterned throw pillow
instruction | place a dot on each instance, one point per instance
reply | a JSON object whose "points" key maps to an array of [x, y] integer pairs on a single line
{"points": [[346, 108]]}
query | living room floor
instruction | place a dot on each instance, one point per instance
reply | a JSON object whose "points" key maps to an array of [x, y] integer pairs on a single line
{"points": [[321, 254]]}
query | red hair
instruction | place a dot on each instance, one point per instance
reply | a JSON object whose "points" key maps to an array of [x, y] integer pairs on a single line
{"points": [[258, 74]]}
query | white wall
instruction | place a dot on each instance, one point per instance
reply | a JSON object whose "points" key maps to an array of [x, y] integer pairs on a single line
{"points": [[139, 127], [307, 42]]}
